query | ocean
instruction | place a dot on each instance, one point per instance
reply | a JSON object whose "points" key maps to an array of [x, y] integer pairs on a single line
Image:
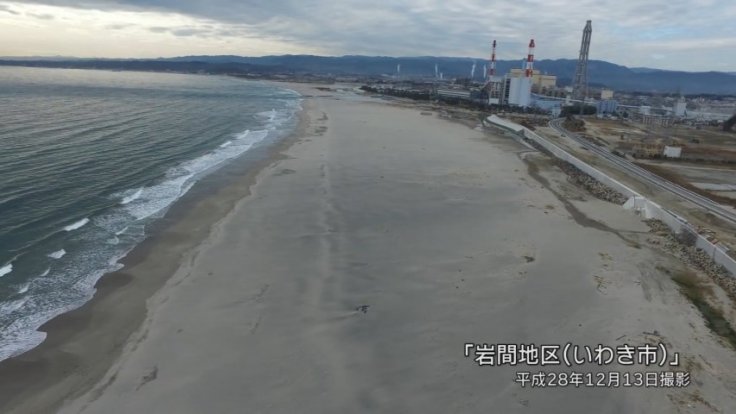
{"points": [[89, 159]]}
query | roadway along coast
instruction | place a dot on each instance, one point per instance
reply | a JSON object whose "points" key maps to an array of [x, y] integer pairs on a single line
{"points": [[648, 177]]}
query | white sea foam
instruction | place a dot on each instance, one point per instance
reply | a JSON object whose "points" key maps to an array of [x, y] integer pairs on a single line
{"points": [[24, 288], [57, 254], [226, 144], [21, 334], [11, 306], [180, 179], [79, 224], [158, 197], [275, 118], [134, 196], [6, 269], [45, 272], [268, 114], [113, 222]]}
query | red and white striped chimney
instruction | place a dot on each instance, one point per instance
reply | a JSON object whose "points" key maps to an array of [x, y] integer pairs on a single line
{"points": [[530, 60], [492, 66]]}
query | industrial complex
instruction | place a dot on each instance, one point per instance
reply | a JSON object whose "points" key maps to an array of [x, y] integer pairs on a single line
{"points": [[525, 89]]}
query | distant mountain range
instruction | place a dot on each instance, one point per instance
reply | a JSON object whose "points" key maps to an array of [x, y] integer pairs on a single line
{"points": [[600, 73]]}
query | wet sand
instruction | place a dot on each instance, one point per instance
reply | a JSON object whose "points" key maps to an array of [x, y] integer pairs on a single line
{"points": [[352, 271]]}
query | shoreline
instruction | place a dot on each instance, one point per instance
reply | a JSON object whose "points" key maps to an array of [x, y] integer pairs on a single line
{"points": [[119, 306]]}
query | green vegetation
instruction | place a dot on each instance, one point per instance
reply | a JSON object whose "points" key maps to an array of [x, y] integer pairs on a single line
{"points": [[695, 291]]}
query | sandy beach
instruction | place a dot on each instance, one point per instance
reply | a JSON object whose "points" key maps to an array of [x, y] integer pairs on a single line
{"points": [[348, 271]]}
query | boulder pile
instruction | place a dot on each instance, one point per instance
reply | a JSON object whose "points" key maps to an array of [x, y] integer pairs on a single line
{"points": [[590, 184], [691, 256]]}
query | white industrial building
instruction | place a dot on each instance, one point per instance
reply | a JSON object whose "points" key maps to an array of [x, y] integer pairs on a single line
{"points": [[509, 90], [519, 91], [680, 108], [672, 152]]}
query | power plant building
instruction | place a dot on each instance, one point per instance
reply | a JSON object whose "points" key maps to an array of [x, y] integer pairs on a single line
{"points": [[539, 81], [518, 90], [680, 108], [514, 88]]}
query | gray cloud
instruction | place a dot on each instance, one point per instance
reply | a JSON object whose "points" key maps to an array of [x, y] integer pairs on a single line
{"points": [[207, 31], [627, 31], [42, 16], [117, 26], [7, 9], [189, 32]]}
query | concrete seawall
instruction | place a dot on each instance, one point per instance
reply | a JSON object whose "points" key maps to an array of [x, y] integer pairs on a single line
{"points": [[636, 202]]}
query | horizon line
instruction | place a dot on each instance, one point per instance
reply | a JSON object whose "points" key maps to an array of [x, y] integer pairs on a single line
{"points": [[72, 58]]}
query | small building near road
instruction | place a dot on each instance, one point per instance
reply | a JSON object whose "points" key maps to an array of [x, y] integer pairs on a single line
{"points": [[672, 152]]}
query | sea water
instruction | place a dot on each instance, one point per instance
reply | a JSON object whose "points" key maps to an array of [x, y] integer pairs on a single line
{"points": [[89, 159]]}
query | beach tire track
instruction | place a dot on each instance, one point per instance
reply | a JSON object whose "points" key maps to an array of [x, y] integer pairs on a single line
{"points": [[325, 304]]}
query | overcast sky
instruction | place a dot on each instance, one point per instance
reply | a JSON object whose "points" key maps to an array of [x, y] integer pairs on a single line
{"points": [[671, 34]]}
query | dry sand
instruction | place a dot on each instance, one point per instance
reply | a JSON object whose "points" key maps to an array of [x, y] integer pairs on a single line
{"points": [[352, 275]]}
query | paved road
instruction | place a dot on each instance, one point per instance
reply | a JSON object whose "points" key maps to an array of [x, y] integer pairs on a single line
{"points": [[648, 177]]}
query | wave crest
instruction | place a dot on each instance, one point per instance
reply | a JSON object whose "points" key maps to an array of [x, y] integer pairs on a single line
{"points": [[77, 225], [57, 254], [132, 197]]}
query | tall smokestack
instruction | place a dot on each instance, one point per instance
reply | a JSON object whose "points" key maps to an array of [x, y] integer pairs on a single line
{"points": [[580, 81], [530, 60], [492, 66]]}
